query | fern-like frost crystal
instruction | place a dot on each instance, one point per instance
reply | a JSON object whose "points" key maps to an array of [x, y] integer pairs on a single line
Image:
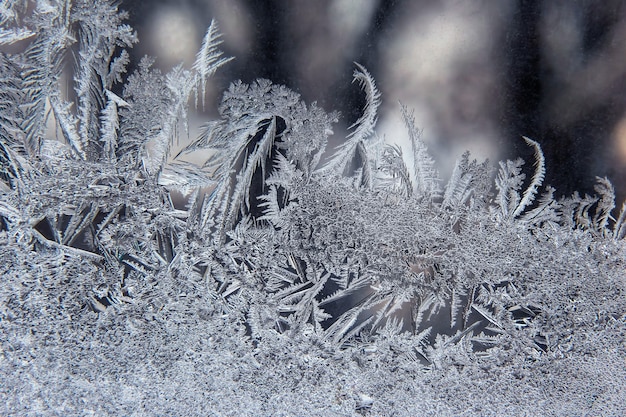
{"points": [[263, 281]]}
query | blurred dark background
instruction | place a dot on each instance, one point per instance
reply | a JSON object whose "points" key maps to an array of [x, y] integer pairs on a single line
{"points": [[478, 74]]}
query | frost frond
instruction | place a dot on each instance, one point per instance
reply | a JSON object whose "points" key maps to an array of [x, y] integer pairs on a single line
{"points": [[606, 204], [209, 58], [619, 229], [343, 159], [424, 176], [536, 181], [110, 125]]}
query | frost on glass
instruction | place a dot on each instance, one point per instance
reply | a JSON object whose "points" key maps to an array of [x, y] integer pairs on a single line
{"points": [[290, 284]]}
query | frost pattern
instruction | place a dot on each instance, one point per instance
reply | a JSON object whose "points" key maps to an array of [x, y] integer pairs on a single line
{"points": [[286, 286]]}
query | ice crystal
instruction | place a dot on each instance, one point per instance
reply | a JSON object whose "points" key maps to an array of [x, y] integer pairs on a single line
{"points": [[286, 285]]}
